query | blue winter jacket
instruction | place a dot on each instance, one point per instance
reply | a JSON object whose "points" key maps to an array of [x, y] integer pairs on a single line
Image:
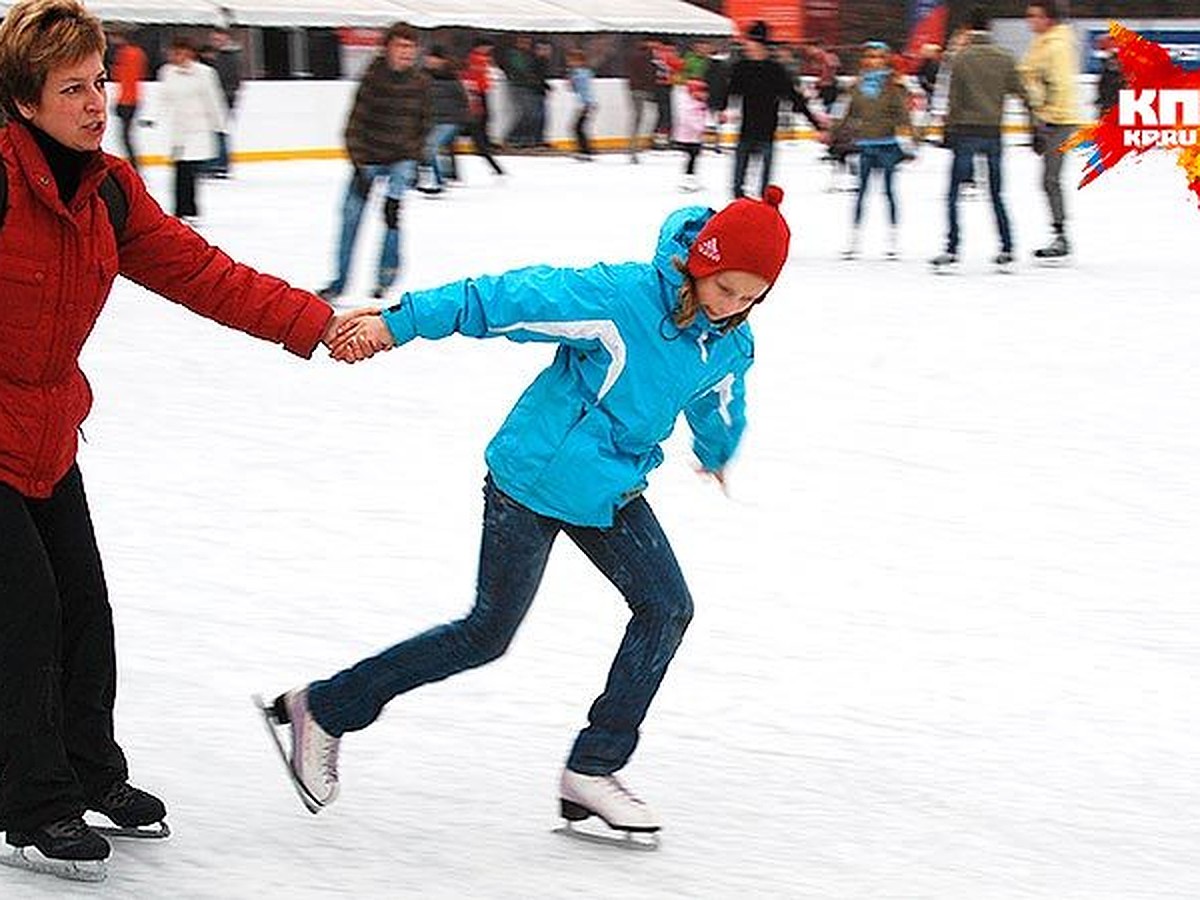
{"points": [[581, 440]]}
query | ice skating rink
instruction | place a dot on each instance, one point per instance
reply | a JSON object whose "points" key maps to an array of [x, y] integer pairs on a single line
{"points": [[946, 644]]}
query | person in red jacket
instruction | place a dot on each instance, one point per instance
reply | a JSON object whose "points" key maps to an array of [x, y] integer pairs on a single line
{"points": [[59, 252], [129, 69], [477, 81]]}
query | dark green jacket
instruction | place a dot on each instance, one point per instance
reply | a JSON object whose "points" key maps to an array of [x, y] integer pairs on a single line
{"points": [[879, 117], [981, 76]]}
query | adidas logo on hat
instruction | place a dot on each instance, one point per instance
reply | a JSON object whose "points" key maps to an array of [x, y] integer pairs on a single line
{"points": [[709, 249]]}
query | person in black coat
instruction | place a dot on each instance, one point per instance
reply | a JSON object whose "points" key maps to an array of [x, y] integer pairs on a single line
{"points": [[762, 83]]}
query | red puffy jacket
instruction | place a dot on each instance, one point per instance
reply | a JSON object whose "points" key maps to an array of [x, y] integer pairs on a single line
{"points": [[57, 265]]}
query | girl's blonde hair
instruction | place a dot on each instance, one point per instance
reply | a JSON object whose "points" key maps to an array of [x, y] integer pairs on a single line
{"points": [[688, 303], [38, 36]]}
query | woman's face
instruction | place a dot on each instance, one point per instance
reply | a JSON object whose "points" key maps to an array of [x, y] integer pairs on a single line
{"points": [[72, 107], [725, 294]]}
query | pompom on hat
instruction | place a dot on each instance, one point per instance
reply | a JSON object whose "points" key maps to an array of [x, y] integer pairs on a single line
{"points": [[747, 235]]}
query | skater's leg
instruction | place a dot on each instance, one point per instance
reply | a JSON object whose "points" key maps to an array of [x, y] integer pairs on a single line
{"points": [[355, 199], [767, 148], [37, 783], [89, 665], [741, 161], [889, 180], [636, 557], [1052, 175], [866, 164], [400, 175], [516, 544], [960, 172], [994, 153]]}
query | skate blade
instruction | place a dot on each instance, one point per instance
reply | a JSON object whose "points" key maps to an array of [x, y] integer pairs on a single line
{"points": [[159, 831], [29, 859], [311, 803], [1052, 262], [617, 838]]}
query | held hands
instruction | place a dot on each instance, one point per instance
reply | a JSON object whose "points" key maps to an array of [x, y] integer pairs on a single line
{"points": [[360, 335]]}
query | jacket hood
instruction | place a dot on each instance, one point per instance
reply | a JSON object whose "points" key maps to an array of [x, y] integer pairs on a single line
{"points": [[675, 238]]}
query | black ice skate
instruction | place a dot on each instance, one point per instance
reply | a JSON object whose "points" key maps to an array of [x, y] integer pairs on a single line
{"points": [[68, 848], [1004, 262], [632, 823], [134, 813], [944, 263], [1056, 253]]}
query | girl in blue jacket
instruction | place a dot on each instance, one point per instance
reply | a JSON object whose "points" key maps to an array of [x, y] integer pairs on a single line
{"points": [[638, 343]]}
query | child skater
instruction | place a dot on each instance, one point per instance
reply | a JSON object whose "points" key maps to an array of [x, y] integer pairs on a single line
{"points": [[877, 114], [639, 342], [689, 123]]}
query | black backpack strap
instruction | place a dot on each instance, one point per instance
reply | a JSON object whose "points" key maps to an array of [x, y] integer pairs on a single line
{"points": [[114, 198], [111, 193]]}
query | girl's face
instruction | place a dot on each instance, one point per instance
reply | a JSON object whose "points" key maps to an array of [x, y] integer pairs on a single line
{"points": [[874, 59], [71, 108], [725, 294]]}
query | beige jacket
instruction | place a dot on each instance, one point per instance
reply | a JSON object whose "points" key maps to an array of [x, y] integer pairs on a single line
{"points": [[1050, 72]]}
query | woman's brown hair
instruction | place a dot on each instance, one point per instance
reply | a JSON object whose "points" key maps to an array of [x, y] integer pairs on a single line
{"points": [[37, 36]]}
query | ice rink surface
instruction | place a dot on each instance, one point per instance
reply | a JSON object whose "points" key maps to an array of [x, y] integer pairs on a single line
{"points": [[946, 644]]}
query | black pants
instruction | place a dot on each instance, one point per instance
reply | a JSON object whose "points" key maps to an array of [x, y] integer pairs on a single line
{"points": [[479, 137], [57, 659], [581, 138], [691, 151], [185, 188], [126, 114]]}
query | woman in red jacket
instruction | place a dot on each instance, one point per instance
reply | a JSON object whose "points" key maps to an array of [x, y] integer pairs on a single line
{"points": [[59, 252]]}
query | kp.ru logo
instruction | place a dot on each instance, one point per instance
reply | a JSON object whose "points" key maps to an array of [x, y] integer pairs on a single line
{"points": [[1162, 118], [1158, 110]]}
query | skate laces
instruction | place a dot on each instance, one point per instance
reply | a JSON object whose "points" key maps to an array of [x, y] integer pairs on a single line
{"points": [[118, 795], [73, 827], [616, 787], [329, 759]]}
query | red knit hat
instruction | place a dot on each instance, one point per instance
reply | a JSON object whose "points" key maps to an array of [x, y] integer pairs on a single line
{"points": [[747, 235]]}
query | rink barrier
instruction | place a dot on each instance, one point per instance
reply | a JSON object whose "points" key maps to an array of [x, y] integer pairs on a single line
{"points": [[305, 120], [559, 146]]}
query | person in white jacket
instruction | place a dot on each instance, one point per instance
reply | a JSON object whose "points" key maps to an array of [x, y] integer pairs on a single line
{"points": [[193, 111]]}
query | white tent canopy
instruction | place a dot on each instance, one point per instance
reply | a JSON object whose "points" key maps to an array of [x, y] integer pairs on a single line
{"points": [[152, 12], [649, 16], [309, 13], [643, 16], [493, 15]]}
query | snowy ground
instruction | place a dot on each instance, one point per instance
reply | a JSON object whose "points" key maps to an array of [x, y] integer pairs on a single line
{"points": [[946, 641]]}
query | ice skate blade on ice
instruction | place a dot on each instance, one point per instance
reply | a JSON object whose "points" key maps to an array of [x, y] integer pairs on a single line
{"points": [[622, 840], [159, 831], [633, 837], [267, 712], [29, 859]]}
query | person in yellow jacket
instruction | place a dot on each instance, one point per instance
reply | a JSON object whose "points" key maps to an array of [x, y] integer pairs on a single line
{"points": [[1049, 72]]}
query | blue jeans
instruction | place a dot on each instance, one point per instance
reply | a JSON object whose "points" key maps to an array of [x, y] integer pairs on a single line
{"points": [[633, 554], [399, 176], [441, 138], [966, 147], [884, 157], [741, 161]]}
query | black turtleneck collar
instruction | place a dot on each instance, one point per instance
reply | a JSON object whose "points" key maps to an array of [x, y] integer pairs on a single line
{"points": [[66, 165]]}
